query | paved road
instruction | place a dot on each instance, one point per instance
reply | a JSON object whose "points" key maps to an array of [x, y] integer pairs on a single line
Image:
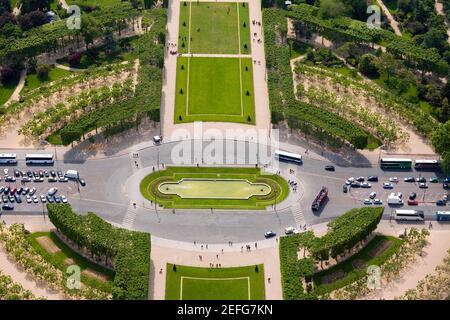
{"points": [[110, 192]]}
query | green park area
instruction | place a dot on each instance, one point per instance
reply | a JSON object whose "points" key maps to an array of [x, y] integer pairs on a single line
{"points": [[192, 283], [225, 188], [208, 27], [214, 89]]}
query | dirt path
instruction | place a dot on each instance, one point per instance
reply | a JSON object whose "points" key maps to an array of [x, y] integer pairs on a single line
{"points": [[392, 22]]}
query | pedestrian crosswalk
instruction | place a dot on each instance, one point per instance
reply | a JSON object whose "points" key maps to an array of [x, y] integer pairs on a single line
{"points": [[299, 218], [135, 161], [128, 219]]}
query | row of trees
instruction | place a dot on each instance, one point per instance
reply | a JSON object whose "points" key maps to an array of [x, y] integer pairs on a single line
{"points": [[128, 251]]}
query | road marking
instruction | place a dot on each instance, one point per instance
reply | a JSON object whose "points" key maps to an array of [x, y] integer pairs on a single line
{"points": [[299, 217], [128, 219]]}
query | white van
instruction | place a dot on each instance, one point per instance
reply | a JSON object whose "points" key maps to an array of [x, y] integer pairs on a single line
{"points": [[72, 174], [395, 199]]}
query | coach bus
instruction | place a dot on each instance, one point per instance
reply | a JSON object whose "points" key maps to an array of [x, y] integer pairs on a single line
{"points": [[8, 159], [39, 159], [409, 215], [288, 157], [443, 215], [395, 163], [427, 165]]}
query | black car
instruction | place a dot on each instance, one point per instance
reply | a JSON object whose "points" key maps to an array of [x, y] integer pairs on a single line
{"points": [[446, 185], [412, 196], [421, 179], [330, 168], [19, 190], [46, 174], [17, 173], [6, 191], [410, 179], [30, 173], [372, 179], [52, 179], [356, 185], [53, 173], [26, 179], [344, 188], [5, 199], [82, 182], [270, 234], [18, 198], [8, 207]]}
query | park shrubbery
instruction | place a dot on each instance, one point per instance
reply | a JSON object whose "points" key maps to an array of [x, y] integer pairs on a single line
{"points": [[343, 234], [320, 123], [129, 250]]}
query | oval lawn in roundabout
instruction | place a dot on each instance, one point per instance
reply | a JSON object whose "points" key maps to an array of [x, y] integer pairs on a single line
{"points": [[214, 187]]}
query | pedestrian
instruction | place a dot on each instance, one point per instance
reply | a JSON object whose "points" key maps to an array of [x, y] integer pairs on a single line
{"points": [[268, 280], [160, 271], [430, 226], [217, 256], [242, 248], [220, 265], [195, 243], [222, 251], [200, 257], [256, 245], [206, 247], [202, 247]]}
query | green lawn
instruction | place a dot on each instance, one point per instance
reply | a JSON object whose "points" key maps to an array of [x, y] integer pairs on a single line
{"points": [[214, 90], [6, 90], [191, 283], [98, 3], [214, 28], [32, 81], [348, 266], [58, 260], [279, 188]]}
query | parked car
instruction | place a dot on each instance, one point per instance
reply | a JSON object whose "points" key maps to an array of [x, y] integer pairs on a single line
{"points": [[387, 185], [421, 179], [63, 179], [409, 179], [440, 202], [377, 201], [434, 180], [17, 173], [288, 230], [423, 185], [8, 207], [52, 191], [57, 199], [49, 199], [360, 179], [445, 185], [356, 184], [330, 168], [82, 182], [35, 199], [43, 198], [32, 191], [367, 201], [372, 195], [53, 173], [64, 200], [29, 200], [393, 179], [412, 195], [52, 179], [269, 234], [345, 188], [372, 178], [13, 191], [366, 185], [26, 179], [18, 198], [412, 203]]}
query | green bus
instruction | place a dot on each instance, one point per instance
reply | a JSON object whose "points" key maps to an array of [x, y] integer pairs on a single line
{"points": [[395, 163]]}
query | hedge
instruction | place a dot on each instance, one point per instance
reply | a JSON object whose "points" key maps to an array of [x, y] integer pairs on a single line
{"points": [[130, 250]]}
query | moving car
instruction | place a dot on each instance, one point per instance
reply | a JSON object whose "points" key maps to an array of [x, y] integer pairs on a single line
{"points": [[82, 182], [330, 168], [269, 234], [409, 179], [288, 230], [345, 188]]}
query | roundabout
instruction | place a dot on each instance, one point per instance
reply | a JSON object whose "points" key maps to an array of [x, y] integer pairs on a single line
{"points": [[214, 188]]}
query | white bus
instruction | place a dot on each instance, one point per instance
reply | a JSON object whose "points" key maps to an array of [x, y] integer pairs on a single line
{"points": [[427, 165], [8, 158], [288, 157], [39, 159], [409, 215]]}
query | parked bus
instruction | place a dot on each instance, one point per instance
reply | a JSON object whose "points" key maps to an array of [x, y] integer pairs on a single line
{"points": [[39, 159], [395, 163], [443, 215], [288, 157], [8, 159], [409, 215], [427, 165]]}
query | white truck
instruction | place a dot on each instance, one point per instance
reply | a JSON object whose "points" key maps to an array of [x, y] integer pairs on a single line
{"points": [[72, 174], [395, 199]]}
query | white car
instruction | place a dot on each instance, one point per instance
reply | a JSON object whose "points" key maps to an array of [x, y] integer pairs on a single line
{"points": [[63, 199], [29, 200], [372, 195], [351, 179], [6, 171], [35, 199], [52, 191], [366, 185], [387, 185], [445, 197], [393, 179], [288, 230], [43, 198], [377, 201], [423, 185], [367, 201]]}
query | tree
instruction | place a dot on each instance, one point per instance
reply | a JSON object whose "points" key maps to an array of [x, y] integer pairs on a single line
{"points": [[332, 8], [32, 5], [31, 20], [68, 136], [42, 71], [388, 65], [367, 65], [440, 139], [90, 30]]}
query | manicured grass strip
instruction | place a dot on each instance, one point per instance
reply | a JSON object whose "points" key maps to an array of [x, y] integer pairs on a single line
{"points": [[214, 92], [348, 266], [192, 283], [149, 188], [58, 260], [97, 3], [32, 81], [244, 28]]}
